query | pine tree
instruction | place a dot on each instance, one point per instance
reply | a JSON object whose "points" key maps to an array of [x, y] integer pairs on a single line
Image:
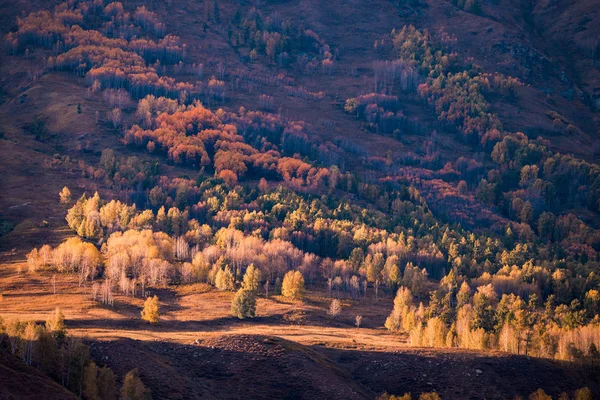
{"points": [[224, 279], [47, 353], [216, 13], [90, 382], [463, 296], [584, 394], [162, 221], [76, 214], [539, 395], [251, 279], [107, 388], [483, 313], [75, 356], [243, 304], [403, 302], [151, 309], [356, 259], [133, 388], [56, 324]]}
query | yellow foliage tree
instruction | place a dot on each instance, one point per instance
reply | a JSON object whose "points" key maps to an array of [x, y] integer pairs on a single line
{"points": [[150, 312], [293, 285], [65, 195]]}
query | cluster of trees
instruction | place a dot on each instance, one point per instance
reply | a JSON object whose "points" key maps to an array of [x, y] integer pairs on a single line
{"points": [[526, 169], [243, 304], [72, 256], [106, 44], [417, 48], [66, 359], [396, 241], [291, 138], [457, 97], [359, 245], [381, 112], [580, 394], [473, 6], [123, 174], [368, 248], [457, 317], [529, 287], [282, 41], [524, 176], [425, 66], [303, 93], [389, 76], [408, 396], [90, 218], [459, 101], [43, 28], [134, 257], [196, 136], [66, 26]]}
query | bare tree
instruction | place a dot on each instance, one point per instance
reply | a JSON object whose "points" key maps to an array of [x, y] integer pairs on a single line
{"points": [[358, 321], [114, 116], [335, 308]]}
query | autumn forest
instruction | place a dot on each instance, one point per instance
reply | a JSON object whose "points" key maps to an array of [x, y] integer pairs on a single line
{"points": [[296, 199]]}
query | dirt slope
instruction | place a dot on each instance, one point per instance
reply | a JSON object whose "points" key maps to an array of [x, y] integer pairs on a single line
{"points": [[231, 367], [21, 382], [267, 367], [460, 374]]}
